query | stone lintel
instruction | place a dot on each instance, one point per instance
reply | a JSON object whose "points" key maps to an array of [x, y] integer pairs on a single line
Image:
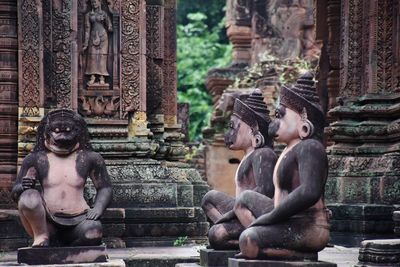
{"points": [[216, 258], [274, 263], [61, 255]]}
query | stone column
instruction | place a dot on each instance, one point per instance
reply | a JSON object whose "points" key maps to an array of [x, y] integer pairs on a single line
{"points": [[154, 62], [238, 25], [364, 161], [8, 99], [30, 72]]}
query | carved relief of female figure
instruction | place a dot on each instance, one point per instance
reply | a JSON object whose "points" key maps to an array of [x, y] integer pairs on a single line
{"points": [[97, 27]]}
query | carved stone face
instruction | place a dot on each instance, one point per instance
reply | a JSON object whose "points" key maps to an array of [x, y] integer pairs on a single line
{"points": [[286, 125], [95, 3], [62, 136], [239, 135]]}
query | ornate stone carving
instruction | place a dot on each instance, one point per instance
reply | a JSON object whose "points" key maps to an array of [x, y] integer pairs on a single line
{"points": [[8, 99], [30, 96], [62, 53], [132, 57], [98, 27], [169, 99], [155, 56], [351, 54]]}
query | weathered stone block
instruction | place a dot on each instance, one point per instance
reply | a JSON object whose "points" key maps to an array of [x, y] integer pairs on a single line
{"points": [[145, 195], [157, 214], [216, 258], [396, 219], [61, 255], [113, 230], [390, 190], [332, 190], [185, 195], [167, 229], [361, 211], [357, 189], [379, 252], [272, 263]]}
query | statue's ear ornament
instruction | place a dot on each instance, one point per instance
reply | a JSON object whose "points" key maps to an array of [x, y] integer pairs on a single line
{"points": [[259, 138], [306, 127]]}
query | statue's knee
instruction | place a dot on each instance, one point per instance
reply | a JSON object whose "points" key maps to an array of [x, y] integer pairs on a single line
{"points": [[248, 239], [217, 236], [207, 199], [30, 200], [93, 230]]}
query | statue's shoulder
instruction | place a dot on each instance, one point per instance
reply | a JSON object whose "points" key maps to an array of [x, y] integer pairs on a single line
{"points": [[34, 157], [311, 148], [90, 155], [264, 153]]}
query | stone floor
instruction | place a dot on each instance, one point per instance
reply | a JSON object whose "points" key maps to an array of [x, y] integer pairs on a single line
{"points": [[169, 256]]}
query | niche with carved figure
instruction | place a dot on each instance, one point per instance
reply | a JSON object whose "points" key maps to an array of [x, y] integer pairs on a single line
{"points": [[98, 80]]}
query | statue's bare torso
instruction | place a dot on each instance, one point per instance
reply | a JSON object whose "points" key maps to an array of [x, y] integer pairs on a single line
{"points": [[63, 186]]}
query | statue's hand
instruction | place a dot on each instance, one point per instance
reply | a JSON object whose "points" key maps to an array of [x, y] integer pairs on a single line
{"points": [[227, 217], [262, 220], [28, 182], [93, 214], [84, 47]]}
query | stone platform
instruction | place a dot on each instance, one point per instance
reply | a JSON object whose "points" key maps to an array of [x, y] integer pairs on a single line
{"points": [[273, 263], [185, 256], [216, 258], [61, 255]]}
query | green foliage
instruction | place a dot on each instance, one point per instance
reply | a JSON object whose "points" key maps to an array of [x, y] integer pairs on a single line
{"points": [[181, 241], [199, 49]]}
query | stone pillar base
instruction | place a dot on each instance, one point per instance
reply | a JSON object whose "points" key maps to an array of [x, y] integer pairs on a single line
{"points": [[384, 252]]}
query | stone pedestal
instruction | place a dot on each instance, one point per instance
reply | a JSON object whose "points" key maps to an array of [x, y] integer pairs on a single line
{"points": [[272, 263], [379, 253], [216, 258], [61, 255], [396, 219]]}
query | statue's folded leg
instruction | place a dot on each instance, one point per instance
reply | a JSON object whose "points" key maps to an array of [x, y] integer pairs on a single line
{"points": [[33, 216], [288, 239], [225, 236], [215, 204], [86, 233], [250, 205]]}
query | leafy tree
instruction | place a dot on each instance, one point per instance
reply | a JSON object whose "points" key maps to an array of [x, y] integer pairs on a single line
{"points": [[199, 49]]}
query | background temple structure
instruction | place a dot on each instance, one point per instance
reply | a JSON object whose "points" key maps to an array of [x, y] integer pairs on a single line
{"points": [[47, 61], [116, 66], [357, 47]]}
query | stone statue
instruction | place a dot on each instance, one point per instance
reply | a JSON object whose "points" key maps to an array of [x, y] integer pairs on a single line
{"points": [[97, 27], [61, 162], [295, 222], [248, 131]]}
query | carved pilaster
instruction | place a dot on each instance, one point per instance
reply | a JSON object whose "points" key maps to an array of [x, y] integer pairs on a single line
{"points": [[133, 66], [351, 54], [155, 57], [8, 99], [30, 57], [62, 48], [364, 160], [169, 100]]}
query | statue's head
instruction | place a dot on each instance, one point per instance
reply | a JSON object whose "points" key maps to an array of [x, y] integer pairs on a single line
{"points": [[95, 3], [299, 114], [62, 131], [249, 123]]}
